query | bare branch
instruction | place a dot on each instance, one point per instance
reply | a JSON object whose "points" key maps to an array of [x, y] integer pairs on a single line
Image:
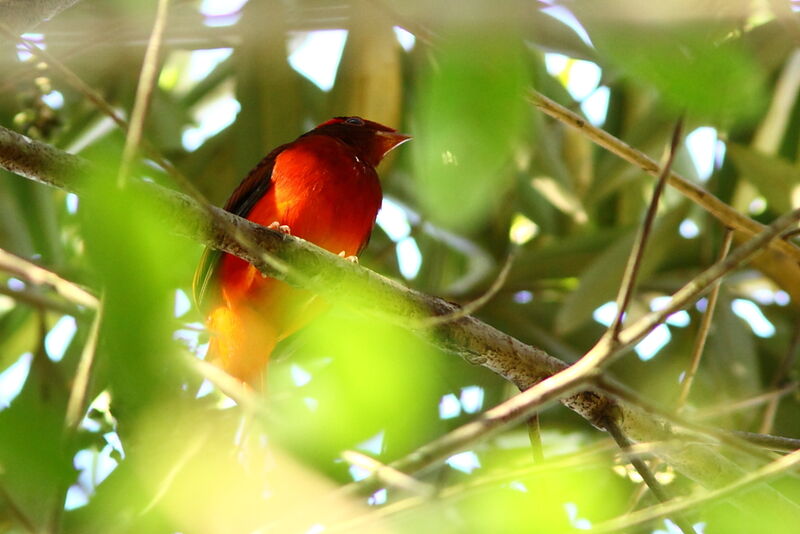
{"points": [[727, 215], [728, 407], [144, 91], [38, 275], [647, 475], [42, 302], [702, 332], [474, 305], [473, 340], [631, 273], [535, 436], [76, 406], [387, 475]]}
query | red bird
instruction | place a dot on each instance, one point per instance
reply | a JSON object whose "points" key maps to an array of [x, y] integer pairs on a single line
{"points": [[321, 187]]}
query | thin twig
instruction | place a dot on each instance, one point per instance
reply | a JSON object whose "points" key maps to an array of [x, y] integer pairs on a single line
{"points": [[144, 91], [747, 443], [69, 76], [535, 436], [571, 461], [27, 14], [631, 273], [752, 402], [474, 341], [674, 506], [471, 307], [647, 475], [175, 468], [244, 397], [705, 327], [587, 368], [726, 214], [34, 274], [787, 364], [149, 150], [775, 443], [42, 302], [691, 291], [387, 475], [76, 405]]}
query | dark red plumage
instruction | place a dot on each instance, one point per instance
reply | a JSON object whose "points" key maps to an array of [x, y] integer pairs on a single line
{"points": [[324, 186]]}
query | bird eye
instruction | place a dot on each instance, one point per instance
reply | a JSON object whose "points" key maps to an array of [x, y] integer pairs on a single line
{"points": [[354, 121]]}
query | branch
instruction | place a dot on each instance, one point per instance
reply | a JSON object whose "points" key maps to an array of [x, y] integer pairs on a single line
{"points": [[336, 278], [144, 92], [628, 284], [744, 226], [40, 276], [769, 471]]}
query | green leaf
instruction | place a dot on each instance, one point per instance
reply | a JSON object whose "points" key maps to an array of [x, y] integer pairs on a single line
{"points": [[19, 333], [138, 263], [601, 279], [693, 70], [776, 179], [471, 112], [731, 368]]}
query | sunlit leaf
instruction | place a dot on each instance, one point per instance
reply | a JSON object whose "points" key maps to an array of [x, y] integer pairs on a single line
{"points": [[692, 58], [470, 113], [362, 378]]}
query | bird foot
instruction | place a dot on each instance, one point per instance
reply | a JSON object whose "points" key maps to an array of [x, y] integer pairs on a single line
{"points": [[282, 228], [353, 259]]}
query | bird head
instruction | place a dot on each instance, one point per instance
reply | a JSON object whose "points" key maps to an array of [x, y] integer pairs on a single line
{"points": [[372, 141]]}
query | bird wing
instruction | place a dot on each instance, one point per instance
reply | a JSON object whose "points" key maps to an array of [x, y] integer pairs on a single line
{"points": [[252, 189]]}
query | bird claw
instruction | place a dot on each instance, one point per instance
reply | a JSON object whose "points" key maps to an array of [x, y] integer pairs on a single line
{"points": [[282, 228], [353, 259]]}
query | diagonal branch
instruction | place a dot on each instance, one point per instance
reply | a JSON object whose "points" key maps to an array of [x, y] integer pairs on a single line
{"points": [[332, 276], [631, 273], [769, 471], [144, 91], [745, 226], [39, 275]]}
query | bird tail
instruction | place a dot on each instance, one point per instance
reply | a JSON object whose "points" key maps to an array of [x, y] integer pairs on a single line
{"points": [[241, 343]]}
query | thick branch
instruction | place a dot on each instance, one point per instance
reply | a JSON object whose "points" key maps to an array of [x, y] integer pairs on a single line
{"points": [[336, 278]]}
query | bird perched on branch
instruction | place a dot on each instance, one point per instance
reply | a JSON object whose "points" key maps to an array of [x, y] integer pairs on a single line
{"points": [[321, 187]]}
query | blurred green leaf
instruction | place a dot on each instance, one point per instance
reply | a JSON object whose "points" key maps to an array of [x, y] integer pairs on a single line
{"points": [[694, 69], [566, 500], [35, 458], [354, 379], [776, 179], [469, 117], [19, 333], [136, 260]]}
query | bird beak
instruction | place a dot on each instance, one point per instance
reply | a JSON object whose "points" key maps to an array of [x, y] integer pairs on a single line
{"points": [[390, 140]]}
